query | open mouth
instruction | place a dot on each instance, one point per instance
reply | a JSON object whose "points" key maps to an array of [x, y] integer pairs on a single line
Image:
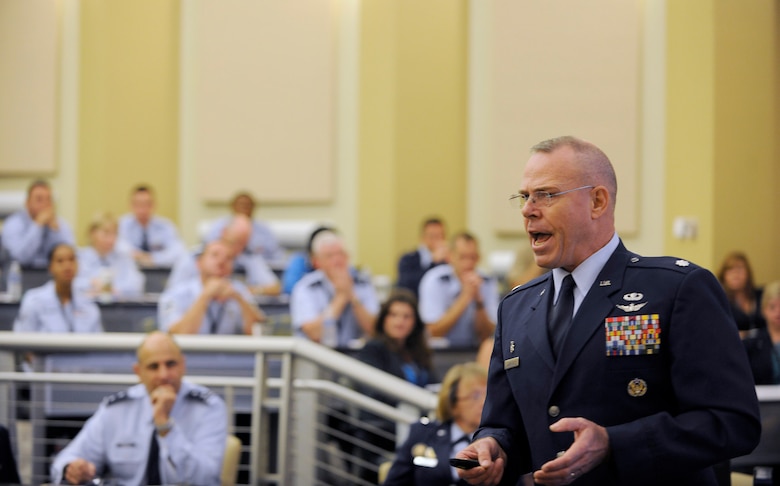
{"points": [[538, 239]]}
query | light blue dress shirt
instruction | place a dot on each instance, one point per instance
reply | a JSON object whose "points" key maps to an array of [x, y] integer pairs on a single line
{"points": [[221, 317], [262, 241], [165, 246], [311, 296], [42, 311], [257, 271], [118, 437], [439, 288], [117, 266], [29, 243]]}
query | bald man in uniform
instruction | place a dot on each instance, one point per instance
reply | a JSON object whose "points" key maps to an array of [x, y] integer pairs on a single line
{"points": [[164, 430]]}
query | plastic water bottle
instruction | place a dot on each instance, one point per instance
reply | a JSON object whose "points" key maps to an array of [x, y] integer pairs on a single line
{"points": [[14, 282]]}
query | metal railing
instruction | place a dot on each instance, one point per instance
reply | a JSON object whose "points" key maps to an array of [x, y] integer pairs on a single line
{"points": [[310, 419]]}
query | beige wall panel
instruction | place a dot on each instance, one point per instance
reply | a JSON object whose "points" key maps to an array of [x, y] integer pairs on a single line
{"points": [[431, 135], [690, 108], [413, 118], [745, 131], [264, 97], [128, 112], [28, 86], [560, 68]]}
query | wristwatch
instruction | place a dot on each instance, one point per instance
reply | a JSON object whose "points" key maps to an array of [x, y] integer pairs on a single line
{"points": [[164, 428]]}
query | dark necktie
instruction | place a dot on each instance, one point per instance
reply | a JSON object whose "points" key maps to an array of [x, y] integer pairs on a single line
{"points": [[144, 240], [42, 246], [153, 464], [560, 317]]}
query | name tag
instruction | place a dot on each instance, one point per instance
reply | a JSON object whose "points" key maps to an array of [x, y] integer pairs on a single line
{"points": [[425, 461], [511, 363], [633, 335]]}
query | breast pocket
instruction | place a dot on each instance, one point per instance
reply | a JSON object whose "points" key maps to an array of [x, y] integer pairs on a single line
{"points": [[125, 457], [637, 385], [53, 320]]}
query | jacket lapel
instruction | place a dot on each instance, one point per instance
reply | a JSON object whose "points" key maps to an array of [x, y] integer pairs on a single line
{"points": [[537, 319], [592, 312]]}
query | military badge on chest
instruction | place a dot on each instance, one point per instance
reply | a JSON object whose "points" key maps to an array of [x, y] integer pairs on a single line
{"points": [[632, 334]]}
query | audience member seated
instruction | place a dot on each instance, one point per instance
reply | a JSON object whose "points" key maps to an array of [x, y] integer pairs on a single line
{"points": [[456, 301], [164, 430], [300, 263], [105, 268], [259, 277], [209, 303], [153, 240], [423, 458], [431, 252], [261, 241], [58, 306], [399, 347], [763, 344], [333, 305], [9, 474], [30, 233], [736, 277]]}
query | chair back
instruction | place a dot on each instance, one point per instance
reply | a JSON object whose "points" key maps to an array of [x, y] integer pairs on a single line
{"points": [[230, 461]]}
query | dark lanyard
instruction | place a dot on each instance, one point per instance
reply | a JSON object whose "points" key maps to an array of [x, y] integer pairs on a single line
{"points": [[214, 320]]}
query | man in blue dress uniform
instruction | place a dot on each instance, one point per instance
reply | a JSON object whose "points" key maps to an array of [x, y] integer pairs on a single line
{"points": [[612, 369]]}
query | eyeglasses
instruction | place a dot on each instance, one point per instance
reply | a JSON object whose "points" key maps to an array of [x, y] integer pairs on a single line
{"points": [[473, 396], [543, 198]]}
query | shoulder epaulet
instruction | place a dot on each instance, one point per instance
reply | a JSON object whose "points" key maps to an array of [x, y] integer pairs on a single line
{"points": [[117, 397], [527, 285], [445, 277], [316, 283], [668, 262], [200, 395]]}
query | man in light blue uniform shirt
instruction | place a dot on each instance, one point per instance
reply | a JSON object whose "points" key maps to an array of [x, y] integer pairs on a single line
{"points": [[31, 233], [164, 430], [333, 305], [258, 275], [153, 240], [261, 242], [210, 303], [456, 301]]}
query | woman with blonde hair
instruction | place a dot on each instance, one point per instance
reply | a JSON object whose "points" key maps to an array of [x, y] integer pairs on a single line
{"points": [[423, 459], [105, 269]]}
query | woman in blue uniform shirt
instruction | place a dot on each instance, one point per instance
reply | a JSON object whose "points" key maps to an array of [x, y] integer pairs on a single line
{"points": [[57, 306], [104, 268], [423, 459]]}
